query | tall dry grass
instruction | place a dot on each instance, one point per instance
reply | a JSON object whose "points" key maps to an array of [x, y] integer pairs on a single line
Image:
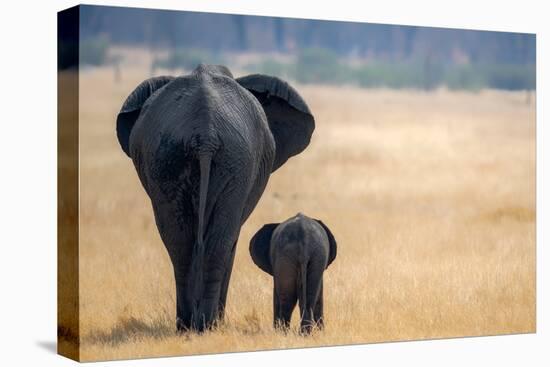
{"points": [[431, 197]]}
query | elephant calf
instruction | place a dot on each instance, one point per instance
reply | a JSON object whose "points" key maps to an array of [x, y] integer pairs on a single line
{"points": [[296, 253]]}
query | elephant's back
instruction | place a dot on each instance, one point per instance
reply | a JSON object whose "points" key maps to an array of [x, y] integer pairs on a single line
{"points": [[204, 112], [301, 237]]}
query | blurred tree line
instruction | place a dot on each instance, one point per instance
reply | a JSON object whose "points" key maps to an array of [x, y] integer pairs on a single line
{"points": [[321, 51]]}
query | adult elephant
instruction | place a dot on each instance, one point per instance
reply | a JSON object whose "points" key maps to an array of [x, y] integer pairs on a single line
{"points": [[204, 146]]}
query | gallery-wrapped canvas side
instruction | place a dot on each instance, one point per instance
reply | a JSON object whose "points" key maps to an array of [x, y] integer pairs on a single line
{"points": [[68, 341]]}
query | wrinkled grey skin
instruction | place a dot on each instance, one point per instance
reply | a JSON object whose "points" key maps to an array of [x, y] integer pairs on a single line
{"points": [[204, 146], [296, 253]]}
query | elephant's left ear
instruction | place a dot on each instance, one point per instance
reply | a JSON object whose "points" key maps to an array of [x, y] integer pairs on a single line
{"points": [[259, 247], [331, 241], [288, 115], [131, 108]]}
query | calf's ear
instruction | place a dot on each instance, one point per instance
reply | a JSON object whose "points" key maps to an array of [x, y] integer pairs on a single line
{"points": [[288, 115], [331, 241], [259, 247], [131, 108]]}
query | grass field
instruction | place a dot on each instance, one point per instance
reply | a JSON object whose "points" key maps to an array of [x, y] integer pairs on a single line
{"points": [[431, 197]]}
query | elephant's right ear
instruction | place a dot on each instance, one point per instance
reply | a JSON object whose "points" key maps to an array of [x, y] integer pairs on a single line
{"points": [[288, 115], [331, 241], [131, 108], [259, 247]]}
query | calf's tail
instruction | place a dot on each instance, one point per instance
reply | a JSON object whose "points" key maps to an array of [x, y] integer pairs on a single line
{"points": [[302, 286]]}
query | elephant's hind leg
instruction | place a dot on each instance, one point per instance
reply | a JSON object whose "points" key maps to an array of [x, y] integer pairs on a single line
{"points": [[285, 297], [312, 309], [219, 242], [225, 285], [318, 317]]}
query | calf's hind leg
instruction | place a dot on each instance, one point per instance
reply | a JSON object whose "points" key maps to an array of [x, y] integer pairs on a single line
{"points": [[318, 317], [311, 308], [285, 298]]}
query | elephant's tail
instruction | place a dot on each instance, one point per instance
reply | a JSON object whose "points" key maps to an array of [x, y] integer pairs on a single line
{"points": [[204, 162], [197, 262], [302, 286]]}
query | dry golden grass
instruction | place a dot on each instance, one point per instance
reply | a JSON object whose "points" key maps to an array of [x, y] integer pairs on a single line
{"points": [[431, 197]]}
